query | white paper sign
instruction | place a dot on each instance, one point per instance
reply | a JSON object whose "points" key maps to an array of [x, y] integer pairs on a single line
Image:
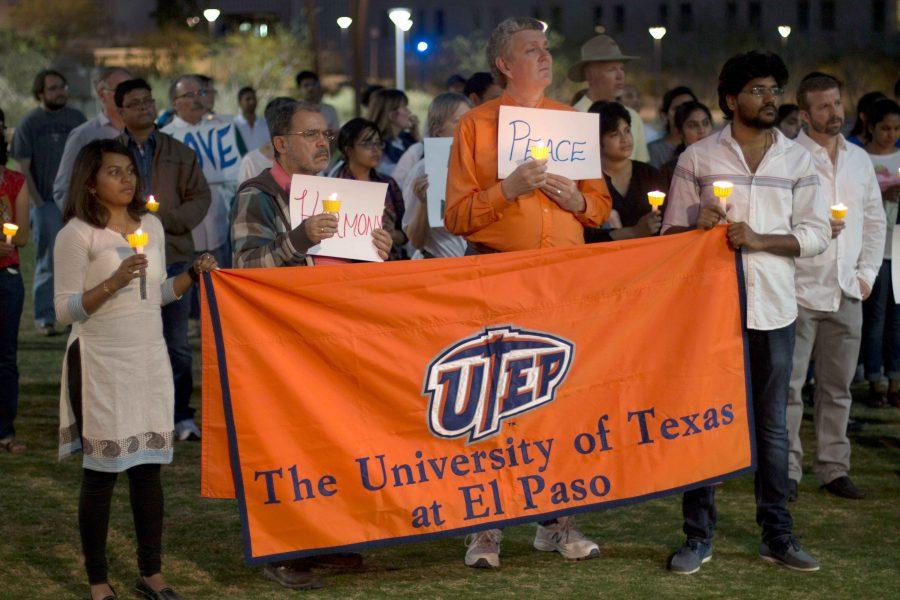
{"points": [[895, 264], [437, 162], [362, 208], [215, 145], [573, 137]]}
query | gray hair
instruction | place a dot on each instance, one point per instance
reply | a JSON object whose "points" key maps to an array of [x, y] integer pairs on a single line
{"points": [[179, 79], [279, 115], [102, 75], [498, 44], [441, 109]]}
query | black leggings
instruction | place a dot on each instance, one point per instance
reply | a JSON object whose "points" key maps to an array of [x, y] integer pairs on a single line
{"points": [[145, 490]]}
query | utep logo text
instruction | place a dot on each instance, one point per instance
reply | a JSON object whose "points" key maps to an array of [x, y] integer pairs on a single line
{"points": [[480, 381]]}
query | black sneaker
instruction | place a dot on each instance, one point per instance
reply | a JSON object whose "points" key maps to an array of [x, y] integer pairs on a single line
{"points": [[787, 552], [793, 492], [843, 487], [690, 556]]}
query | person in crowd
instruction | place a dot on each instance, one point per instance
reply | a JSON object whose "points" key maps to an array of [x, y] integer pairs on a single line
{"points": [[263, 237], [13, 210], [367, 93], [529, 209], [789, 122], [360, 143], [106, 125], [257, 161], [455, 83], [693, 122], [663, 150], [628, 181], [481, 88], [602, 65], [254, 131], [37, 146], [397, 126], [881, 317], [171, 172], [831, 288], [859, 133], [310, 90], [774, 215], [443, 117], [117, 385]]}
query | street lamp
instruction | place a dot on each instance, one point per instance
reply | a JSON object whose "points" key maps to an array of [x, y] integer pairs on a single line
{"points": [[784, 31], [544, 26], [211, 14], [344, 23], [657, 33], [402, 23]]}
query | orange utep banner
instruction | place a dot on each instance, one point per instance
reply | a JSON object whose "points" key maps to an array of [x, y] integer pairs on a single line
{"points": [[362, 405]]}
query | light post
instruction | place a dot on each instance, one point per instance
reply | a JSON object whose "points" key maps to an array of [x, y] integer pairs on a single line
{"points": [[784, 31], [211, 14], [657, 33], [402, 23]]}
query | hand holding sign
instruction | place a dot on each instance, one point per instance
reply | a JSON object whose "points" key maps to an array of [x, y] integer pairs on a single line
{"points": [[320, 227], [526, 178], [564, 192]]}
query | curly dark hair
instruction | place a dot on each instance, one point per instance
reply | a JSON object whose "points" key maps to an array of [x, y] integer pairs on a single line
{"points": [[740, 69], [83, 204]]}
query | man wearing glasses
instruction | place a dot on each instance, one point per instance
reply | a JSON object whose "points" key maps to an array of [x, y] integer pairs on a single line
{"points": [[38, 148], [171, 172], [775, 213]]}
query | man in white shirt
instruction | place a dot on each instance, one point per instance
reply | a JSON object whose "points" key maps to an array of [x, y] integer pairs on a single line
{"points": [[774, 214], [602, 65], [832, 286], [253, 130]]}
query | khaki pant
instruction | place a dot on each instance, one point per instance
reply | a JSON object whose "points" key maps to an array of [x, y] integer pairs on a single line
{"points": [[831, 339]]}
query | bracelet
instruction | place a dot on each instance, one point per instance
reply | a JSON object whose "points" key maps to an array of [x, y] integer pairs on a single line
{"points": [[194, 275], [106, 289]]}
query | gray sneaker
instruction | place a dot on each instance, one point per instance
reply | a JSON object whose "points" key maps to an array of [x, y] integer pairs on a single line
{"points": [[187, 430], [788, 553], [690, 556]]}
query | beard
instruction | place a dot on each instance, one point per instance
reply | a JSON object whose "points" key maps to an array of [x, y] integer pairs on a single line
{"points": [[764, 118], [830, 127], [55, 104]]}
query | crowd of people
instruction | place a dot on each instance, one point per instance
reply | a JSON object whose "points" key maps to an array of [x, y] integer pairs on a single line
{"points": [[818, 284]]}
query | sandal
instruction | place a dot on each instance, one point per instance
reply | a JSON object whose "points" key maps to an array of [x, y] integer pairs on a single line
{"points": [[12, 445]]}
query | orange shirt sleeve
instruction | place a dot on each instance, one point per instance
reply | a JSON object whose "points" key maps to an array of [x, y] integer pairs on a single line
{"points": [[469, 208], [598, 202]]}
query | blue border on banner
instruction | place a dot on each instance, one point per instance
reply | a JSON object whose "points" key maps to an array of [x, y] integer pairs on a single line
{"points": [[531, 518]]}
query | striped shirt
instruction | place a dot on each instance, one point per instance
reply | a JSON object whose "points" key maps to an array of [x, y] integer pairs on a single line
{"points": [[781, 197]]}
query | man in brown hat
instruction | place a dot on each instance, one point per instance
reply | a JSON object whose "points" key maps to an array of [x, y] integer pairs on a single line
{"points": [[602, 65]]}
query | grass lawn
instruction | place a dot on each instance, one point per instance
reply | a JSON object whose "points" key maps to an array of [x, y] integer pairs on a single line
{"points": [[858, 543]]}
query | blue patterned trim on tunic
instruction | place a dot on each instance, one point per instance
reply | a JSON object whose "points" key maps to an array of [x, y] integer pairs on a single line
{"points": [[117, 465]]}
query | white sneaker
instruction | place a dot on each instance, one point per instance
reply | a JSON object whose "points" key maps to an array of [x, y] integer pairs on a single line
{"points": [[484, 549], [564, 537], [187, 430]]}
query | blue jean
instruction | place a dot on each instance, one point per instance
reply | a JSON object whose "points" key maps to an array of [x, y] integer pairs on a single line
{"points": [[175, 331], [881, 328], [45, 221], [12, 299], [771, 360]]}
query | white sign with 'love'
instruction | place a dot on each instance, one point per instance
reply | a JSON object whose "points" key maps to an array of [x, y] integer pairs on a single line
{"points": [[360, 213], [572, 138], [215, 144]]}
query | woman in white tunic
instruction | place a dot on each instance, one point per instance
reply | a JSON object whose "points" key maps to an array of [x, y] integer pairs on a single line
{"points": [[117, 394]]}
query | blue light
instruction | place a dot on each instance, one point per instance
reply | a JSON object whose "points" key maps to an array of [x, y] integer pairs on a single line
{"points": [[422, 47]]}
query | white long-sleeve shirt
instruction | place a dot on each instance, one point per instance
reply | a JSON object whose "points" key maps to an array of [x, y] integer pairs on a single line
{"points": [[857, 251], [781, 197]]}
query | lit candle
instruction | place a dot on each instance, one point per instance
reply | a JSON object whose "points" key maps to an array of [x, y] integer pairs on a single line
{"points": [[540, 152], [838, 211], [656, 199], [722, 189], [152, 204], [138, 240], [333, 204], [9, 230]]}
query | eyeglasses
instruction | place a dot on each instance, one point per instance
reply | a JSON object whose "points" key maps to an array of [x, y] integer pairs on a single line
{"points": [[145, 103], [369, 144], [312, 134], [200, 94], [56, 88], [760, 90]]}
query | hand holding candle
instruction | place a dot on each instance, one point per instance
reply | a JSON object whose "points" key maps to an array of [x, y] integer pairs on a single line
{"points": [[138, 240], [540, 152], [9, 230], [722, 189], [333, 204], [656, 199], [152, 204]]}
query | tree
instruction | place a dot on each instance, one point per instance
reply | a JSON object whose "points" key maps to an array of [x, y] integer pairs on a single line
{"points": [[55, 25]]}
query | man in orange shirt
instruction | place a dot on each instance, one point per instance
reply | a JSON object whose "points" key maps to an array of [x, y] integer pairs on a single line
{"points": [[531, 208]]}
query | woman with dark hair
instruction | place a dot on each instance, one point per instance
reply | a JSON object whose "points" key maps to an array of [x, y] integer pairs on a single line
{"points": [[117, 395], [881, 316], [662, 150], [789, 120], [395, 123], [693, 122], [360, 143], [858, 135], [13, 210], [628, 180]]}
